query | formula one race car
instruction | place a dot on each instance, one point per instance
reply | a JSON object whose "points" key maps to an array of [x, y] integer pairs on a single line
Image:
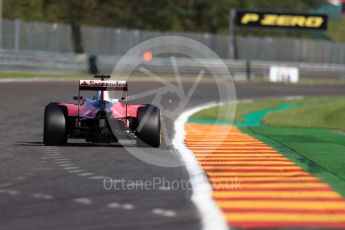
{"points": [[102, 119]]}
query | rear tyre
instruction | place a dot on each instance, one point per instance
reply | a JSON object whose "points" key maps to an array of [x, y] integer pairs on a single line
{"points": [[54, 132], [149, 127]]}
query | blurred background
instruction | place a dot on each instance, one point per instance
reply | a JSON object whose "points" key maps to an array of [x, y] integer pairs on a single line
{"points": [[50, 35]]}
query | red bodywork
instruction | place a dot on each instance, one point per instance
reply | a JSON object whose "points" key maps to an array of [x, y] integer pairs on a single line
{"points": [[90, 108]]}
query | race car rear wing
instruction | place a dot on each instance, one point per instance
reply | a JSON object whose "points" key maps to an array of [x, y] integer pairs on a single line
{"points": [[104, 85], [109, 85]]}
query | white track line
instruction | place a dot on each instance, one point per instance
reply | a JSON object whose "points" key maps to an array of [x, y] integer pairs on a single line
{"points": [[71, 168], [165, 213], [121, 206], [6, 184], [212, 217], [76, 171], [67, 165], [42, 196], [86, 174], [96, 177], [83, 200], [9, 191]]}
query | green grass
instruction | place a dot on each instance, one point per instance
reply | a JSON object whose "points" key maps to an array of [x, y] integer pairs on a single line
{"points": [[241, 109], [320, 152], [312, 112], [48, 75], [326, 113], [308, 134]]}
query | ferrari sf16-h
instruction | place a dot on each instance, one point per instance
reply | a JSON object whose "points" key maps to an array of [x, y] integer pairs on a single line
{"points": [[102, 119]]}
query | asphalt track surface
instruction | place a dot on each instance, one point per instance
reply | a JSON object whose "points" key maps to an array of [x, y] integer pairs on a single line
{"points": [[41, 189]]}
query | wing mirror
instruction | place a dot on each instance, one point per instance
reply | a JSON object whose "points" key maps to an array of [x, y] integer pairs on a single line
{"points": [[124, 99], [80, 99]]}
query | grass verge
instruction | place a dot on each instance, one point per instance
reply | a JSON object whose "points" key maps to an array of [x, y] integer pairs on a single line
{"points": [[309, 134], [43, 75]]}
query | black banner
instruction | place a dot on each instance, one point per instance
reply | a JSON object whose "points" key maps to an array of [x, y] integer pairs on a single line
{"points": [[281, 20]]}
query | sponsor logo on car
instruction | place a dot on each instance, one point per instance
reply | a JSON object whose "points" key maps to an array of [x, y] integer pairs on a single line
{"points": [[84, 83], [96, 83], [102, 85]]}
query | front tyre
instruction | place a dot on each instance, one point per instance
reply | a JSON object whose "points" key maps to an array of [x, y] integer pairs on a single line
{"points": [[54, 132], [149, 127]]}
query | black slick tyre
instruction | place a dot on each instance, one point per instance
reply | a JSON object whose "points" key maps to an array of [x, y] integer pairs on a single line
{"points": [[149, 127], [54, 131]]}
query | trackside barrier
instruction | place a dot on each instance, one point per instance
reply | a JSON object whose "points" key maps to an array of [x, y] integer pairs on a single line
{"points": [[69, 62]]}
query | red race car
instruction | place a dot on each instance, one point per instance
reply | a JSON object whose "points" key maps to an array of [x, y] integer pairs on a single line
{"points": [[102, 119]]}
